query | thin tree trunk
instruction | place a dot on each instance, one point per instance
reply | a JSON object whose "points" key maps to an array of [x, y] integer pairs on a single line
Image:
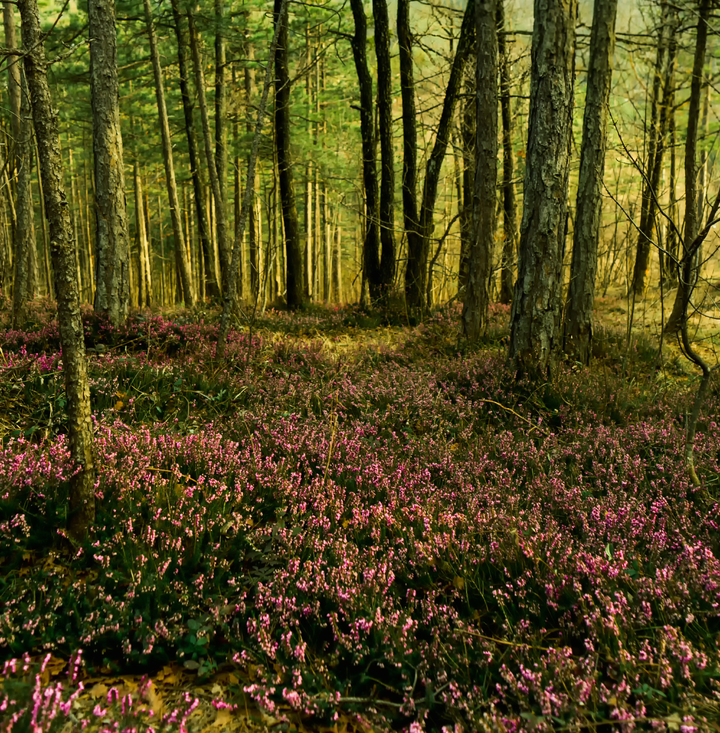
{"points": [[661, 91], [254, 211], [467, 133], [212, 288], [20, 115], [221, 225], [387, 165], [510, 216], [477, 293], [239, 238], [221, 157], [577, 336], [409, 115], [145, 277], [294, 259], [688, 275], [230, 297], [168, 161], [535, 319], [112, 293], [371, 247], [337, 294], [82, 483], [46, 237], [416, 271]]}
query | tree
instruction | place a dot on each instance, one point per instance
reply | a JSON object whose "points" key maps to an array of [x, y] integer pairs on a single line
{"points": [[407, 91], [221, 223], [507, 267], [477, 295], [577, 336], [62, 248], [211, 279], [181, 256], [416, 270], [688, 272], [371, 245], [387, 164], [293, 253], [22, 134], [535, 318], [662, 92], [112, 291]]}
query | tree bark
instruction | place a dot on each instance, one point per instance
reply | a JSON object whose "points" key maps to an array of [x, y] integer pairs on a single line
{"points": [[387, 166], [293, 252], [20, 115], [416, 271], [212, 289], [688, 274], [662, 91], [112, 292], [510, 229], [577, 336], [409, 115], [221, 157], [465, 195], [535, 319], [477, 293], [221, 225], [82, 484], [371, 246], [180, 249]]}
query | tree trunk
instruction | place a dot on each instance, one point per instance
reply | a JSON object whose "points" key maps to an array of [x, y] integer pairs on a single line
{"points": [[21, 128], [577, 336], [467, 135], [688, 274], [662, 88], [168, 161], [82, 484], [371, 247], [239, 236], [416, 271], [510, 232], [387, 166], [221, 225], [535, 319], [221, 158], [293, 258], [212, 288], [337, 294], [409, 114], [144, 275], [477, 293], [112, 292]]}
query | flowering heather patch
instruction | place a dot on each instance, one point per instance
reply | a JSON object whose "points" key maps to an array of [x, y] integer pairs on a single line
{"points": [[403, 533]]}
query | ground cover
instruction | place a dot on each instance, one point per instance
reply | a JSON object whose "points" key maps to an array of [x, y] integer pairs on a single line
{"points": [[356, 525]]}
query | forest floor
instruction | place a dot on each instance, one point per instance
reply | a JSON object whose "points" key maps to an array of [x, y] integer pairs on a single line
{"points": [[350, 524]]}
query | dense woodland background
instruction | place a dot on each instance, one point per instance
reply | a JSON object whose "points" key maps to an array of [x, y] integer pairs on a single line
{"points": [[326, 145]]}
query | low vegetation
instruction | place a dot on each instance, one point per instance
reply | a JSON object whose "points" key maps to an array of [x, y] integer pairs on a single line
{"points": [[359, 525]]}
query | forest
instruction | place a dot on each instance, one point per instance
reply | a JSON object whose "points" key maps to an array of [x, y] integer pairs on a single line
{"points": [[359, 366]]}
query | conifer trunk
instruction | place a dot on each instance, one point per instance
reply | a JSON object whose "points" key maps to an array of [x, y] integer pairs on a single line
{"points": [[82, 484], [212, 288], [535, 319], [577, 336], [180, 249], [221, 224], [477, 293], [293, 257], [112, 292]]}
